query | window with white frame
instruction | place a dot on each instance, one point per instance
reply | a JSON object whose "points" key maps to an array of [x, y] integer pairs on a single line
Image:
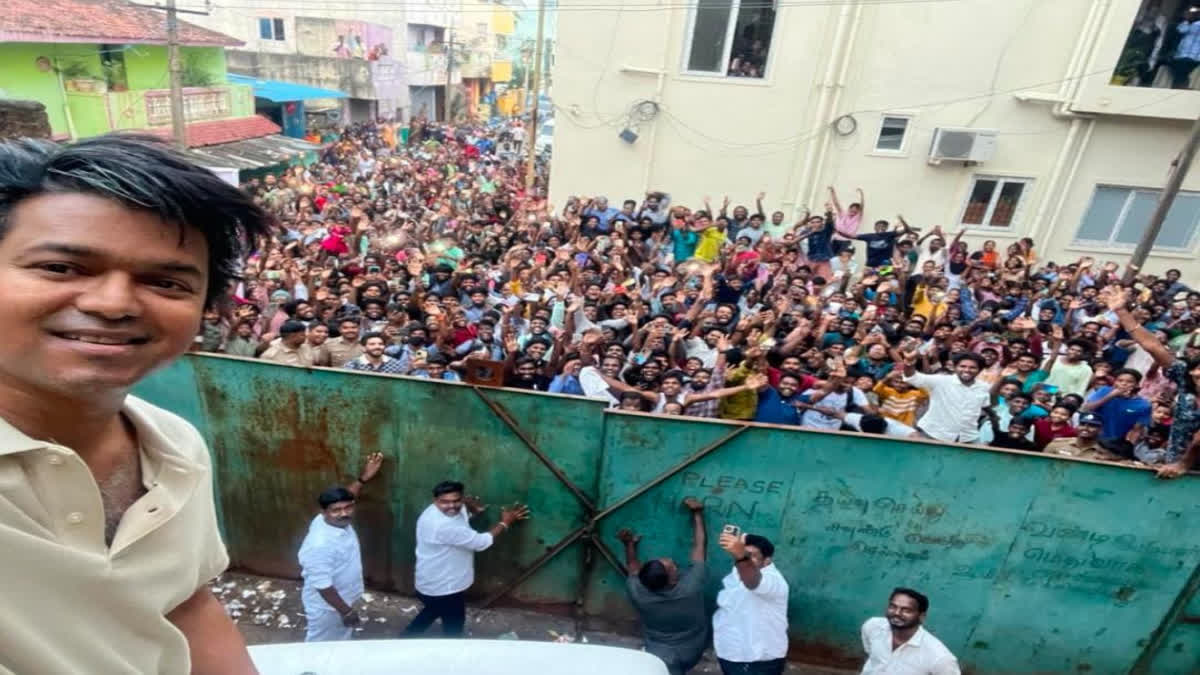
{"points": [[729, 38], [893, 132], [994, 202], [1117, 216], [270, 28]]}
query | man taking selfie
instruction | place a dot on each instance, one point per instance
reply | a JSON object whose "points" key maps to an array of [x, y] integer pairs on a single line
{"points": [[110, 250]]}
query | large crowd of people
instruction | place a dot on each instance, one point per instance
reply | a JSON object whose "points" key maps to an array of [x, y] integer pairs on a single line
{"points": [[426, 257]]}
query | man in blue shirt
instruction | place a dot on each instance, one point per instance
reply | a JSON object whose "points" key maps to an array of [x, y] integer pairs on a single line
{"points": [[599, 208], [1120, 406], [777, 405]]}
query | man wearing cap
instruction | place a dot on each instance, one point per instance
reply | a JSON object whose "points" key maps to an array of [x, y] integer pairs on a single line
{"points": [[1086, 445], [288, 348], [331, 561]]}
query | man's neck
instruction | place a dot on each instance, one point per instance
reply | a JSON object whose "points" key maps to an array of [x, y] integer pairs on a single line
{"points": [[84, 425], [903, 635]]}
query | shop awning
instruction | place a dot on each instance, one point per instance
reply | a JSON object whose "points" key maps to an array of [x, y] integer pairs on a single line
{"points": [[251, 153], [274, 90]]}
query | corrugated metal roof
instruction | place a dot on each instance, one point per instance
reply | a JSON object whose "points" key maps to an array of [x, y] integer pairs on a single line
{"points": [[274, 90], [252, 153]]}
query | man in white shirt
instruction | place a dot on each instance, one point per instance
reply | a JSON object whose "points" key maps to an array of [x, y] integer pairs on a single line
{"points": [[331, 561], [446, 547], [591, 379], [900, 644], [955, 401], [750, 625]]}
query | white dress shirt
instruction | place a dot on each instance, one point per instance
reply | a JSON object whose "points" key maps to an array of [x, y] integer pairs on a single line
{"points": [[751, 625], [923, 654], [954, 407], [446, 547], [330, 557], [594, 385], [894, 428]]}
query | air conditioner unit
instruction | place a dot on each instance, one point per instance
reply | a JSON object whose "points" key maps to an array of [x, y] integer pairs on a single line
{"points": [[962, 145]]}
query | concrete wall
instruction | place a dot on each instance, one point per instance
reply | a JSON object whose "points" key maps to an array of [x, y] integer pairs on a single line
{"points": [[20, 78], [962, 64], [351, 76], [23, 119], [1034, 563]]}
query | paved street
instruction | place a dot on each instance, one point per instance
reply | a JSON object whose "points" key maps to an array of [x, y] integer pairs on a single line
{"points": [[268, 610]]}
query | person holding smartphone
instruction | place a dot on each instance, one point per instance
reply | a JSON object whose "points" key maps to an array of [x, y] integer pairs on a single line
{"points": [[750, 625]]}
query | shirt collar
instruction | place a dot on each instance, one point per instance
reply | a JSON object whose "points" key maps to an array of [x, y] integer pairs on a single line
{"points": [[158, 449]]}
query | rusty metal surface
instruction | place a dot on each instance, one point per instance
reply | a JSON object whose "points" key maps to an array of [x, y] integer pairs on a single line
{"points": [[1033, 563], [280, 435]]}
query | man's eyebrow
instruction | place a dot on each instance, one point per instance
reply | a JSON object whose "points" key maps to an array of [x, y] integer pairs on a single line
{"points": [[78, 251]]}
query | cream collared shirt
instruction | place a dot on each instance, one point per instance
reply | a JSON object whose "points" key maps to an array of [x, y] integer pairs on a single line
{"points": [[70, 603]]}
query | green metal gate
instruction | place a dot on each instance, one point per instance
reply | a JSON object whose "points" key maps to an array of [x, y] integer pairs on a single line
{"points": [[1033, 563]]}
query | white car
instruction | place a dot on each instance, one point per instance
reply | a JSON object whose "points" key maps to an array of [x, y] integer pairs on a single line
{"points": [[478, 657]]}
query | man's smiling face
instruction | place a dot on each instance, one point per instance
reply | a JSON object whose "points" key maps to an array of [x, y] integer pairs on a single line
{"points": [[96, 294]]}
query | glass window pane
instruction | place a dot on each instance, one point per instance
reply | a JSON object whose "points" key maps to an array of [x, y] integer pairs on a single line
{"points": [[891, 133], [1179, 228], [977, 205], [1006, 204], [751, 39], [278, 29], [1131, 229], [264, 29], [708, 36], [1101, 217]]}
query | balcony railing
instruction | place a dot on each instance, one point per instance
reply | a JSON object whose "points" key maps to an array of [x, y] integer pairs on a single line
{"points": [[199, 103]]}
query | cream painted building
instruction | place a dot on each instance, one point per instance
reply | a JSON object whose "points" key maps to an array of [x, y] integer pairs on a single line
{"points": [[854, 93], [356, 48]]}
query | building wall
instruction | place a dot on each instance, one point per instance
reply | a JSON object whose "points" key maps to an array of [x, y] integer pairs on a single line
{"points": [[97, 112], [20, 77], [713, 135], [311, 30], [23, 119]]}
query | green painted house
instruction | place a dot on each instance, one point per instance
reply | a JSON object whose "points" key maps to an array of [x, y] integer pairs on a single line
{"points": [[101, 65]]}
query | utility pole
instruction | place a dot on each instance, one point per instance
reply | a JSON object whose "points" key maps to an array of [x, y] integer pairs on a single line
{"points": [[1179, 170], [178, 124], [449, 68], [531, 136]]}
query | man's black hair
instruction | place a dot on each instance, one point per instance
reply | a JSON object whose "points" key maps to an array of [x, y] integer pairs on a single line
{"points": [[763, 544], [1137, 377], [968, 356], [872, 424], [290, 327], [438, 359], [334, 495], [922, 600], [373, 334], [674, 375], [142, 173], [447, 487], [653, 575]]}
